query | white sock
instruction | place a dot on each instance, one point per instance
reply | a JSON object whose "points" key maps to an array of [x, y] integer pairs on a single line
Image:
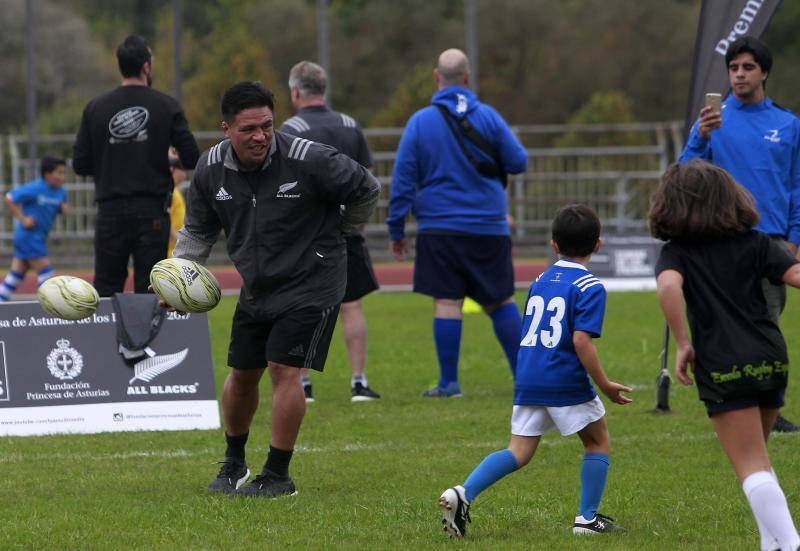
{"points": [[45, 274], [9, 285], [771, 510], [359, 379], [768, 541]]}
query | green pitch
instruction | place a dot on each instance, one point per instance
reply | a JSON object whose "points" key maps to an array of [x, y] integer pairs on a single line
{"points": [[369, 474]]}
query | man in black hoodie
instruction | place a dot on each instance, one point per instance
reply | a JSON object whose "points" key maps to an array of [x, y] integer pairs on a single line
{"points": [[285, 204], [123, 142]]}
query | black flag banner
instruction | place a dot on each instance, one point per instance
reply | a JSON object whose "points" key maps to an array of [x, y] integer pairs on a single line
{"points": [[722, 22]]}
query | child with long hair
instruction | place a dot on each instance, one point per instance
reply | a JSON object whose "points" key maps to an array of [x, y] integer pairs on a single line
{"points": [[711, 268]]}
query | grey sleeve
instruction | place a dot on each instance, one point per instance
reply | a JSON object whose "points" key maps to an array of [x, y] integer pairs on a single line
{"points": [[191, 247], [201, 225], [360, 204]]}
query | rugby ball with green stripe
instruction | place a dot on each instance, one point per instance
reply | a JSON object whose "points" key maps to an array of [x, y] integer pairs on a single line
{"points": [[68, 297], [185, 285]]}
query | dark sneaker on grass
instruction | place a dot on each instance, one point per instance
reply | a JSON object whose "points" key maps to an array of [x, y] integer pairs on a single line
{"points": [[782, 424], [270, 485], [231, 476], [452, 390], [309, 394], [455, 511], [361, 393], [598, 525]]}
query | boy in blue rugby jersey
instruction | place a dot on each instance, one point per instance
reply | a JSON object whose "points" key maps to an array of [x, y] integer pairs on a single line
{"points": [[564, 311], [35, 205]]}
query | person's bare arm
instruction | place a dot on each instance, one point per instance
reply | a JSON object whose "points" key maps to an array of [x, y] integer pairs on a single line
{"points": [[27, 221], [670, 296], [590, 360], [792, 276], [398, 249]]}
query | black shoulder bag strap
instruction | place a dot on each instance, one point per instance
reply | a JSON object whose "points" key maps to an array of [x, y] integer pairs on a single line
{"points": [[489, 170]]}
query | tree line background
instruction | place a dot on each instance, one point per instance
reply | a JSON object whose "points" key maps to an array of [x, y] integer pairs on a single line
{"points": [[541, 61]]}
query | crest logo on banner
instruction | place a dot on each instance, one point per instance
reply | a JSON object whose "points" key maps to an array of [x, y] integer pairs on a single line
{"points": [[64, 362]]}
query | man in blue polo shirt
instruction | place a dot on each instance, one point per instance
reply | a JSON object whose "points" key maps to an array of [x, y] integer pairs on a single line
{"points": [[758, 142], [35, 206], [463, 247]]}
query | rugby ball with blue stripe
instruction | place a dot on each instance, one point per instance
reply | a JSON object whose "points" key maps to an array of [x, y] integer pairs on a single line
{"points": [[185, 285], [68, 297]]}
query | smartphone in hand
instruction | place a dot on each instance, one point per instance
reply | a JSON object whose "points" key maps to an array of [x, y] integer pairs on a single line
{"points": [[714, 101]]}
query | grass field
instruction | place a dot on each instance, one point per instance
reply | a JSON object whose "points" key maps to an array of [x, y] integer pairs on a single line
{"points": [[369, 474]]}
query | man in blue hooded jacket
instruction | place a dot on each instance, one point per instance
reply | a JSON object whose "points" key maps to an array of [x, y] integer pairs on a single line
{"points": [[758, 142], [463, 245]]}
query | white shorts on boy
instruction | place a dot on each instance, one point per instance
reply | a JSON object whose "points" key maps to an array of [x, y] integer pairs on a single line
{"points": [[537, 420]]}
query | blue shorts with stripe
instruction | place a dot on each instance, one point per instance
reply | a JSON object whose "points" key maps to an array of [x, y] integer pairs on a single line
{"points": [[454, 266], [30, 246]]}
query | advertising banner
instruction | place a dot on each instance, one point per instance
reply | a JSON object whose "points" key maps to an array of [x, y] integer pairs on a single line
{"points": [[627, 263], [59, 376]]}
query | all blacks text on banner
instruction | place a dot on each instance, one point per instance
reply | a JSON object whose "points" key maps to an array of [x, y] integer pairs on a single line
{"points": [[59, 376]]}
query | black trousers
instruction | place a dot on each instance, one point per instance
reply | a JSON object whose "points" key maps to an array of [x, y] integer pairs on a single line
{"points": [[138, 229]]}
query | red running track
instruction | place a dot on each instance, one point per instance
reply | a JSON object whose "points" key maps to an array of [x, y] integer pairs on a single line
{"points": [[391, 276]]}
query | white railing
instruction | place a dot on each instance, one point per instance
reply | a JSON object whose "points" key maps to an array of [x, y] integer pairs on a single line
{"points": [[616, 180]]}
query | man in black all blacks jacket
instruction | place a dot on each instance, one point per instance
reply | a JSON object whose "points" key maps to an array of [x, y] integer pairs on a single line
{"points": [[123, 142], [277, 197]]}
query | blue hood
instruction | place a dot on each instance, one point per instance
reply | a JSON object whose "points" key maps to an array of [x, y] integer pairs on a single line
{"points": [[434, 178], [459, 101]]}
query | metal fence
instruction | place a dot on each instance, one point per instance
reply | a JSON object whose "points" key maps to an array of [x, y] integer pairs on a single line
{"points": [[611, 167]]}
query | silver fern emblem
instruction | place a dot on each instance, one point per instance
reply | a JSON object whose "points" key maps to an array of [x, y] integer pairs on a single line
{"points": [[150, 368]]}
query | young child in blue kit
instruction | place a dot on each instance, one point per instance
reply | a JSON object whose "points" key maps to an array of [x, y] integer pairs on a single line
{"points": [[35, 205], [563, 313]]}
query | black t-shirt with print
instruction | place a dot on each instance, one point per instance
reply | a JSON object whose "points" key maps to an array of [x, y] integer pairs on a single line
{"points": [[739, 351]]}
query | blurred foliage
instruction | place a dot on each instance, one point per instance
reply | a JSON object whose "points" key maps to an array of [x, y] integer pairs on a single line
{"points": [[412, 93], [540, 61], [71, 63], [603, 107], [230, 53]]}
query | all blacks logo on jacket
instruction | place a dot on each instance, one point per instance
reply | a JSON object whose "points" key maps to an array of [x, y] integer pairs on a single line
{"points": [[129, 124]]}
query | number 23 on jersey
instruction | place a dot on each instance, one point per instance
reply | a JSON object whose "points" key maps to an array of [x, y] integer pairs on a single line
{"points": [[550, 335]]}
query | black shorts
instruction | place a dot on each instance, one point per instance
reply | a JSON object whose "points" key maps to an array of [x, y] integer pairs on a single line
{"points": [[455, 266], [769, 399], [299, 338], [361, 279]]}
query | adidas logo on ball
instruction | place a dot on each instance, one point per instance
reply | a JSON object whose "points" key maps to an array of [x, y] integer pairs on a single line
{"points": [[185, 285], [190, 274]]}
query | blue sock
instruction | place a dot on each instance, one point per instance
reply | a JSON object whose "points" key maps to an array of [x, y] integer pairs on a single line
{"points": [[594, 472], [494, 467], [507, 324], [447, 335]]}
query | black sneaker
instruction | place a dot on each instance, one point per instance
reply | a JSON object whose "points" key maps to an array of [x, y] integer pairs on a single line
{"points": [[309, 394], [268, 484], [231, 476], [361, 393], [598, 525], [455, 514], [782, 424]]}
